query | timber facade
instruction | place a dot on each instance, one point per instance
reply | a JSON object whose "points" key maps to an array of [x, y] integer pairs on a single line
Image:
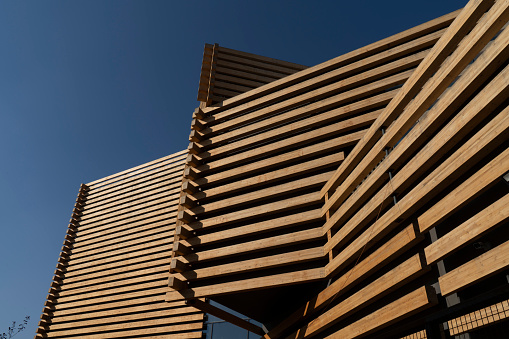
{"points": [[366, 196]]}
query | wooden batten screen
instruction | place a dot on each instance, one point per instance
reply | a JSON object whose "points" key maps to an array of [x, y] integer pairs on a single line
{"points": [[111, 278], [226, 73], [257, 164], [432, 161]]}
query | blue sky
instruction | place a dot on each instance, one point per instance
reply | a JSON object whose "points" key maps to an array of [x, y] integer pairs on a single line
{"points": [[90, 88]]}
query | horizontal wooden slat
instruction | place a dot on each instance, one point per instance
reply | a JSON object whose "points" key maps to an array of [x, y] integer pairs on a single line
{"points": [[340, 61], [96, 255], [256, 264], [263, 194], [114, 314], [259, 58], [135, 214], [403, 273], [346, 95], [285, 239], [266, 178], [349, 93], [457, 128], [162, 194], [472, 186], [453, 99], [131, 328], [467, 154], [342, 70], [398, 310], [303, 139], [284, 279], [132, 194], [115, 214], [300, 201], [364, 153], [281, 159], [366, 267], [169, 158], [84, 308], [257, 227], [174, 313], [480, 268], [119, 240], [468, 231], [147, 221], [123, 276]]}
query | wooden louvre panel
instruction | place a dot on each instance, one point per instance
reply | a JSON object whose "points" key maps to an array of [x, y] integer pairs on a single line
{"points": [[226, 73], [425, 148], [433, 158], [253, 185], [114, 279]]}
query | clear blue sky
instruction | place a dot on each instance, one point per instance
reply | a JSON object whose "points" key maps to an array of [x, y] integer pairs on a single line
{"points": [[90, 88]]}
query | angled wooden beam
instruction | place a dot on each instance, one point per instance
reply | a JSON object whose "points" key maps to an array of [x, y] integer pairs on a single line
{"points": [[222, 314], [482, 267]]}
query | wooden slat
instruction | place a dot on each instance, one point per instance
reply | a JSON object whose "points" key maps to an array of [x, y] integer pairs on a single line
{"points": [[264, 194], [169, 158], [137, 181], [114, 294], [279, 160], [126, 275], [340, 61], [453, 99], [260, 58], [341, 70], [471, 187], [223, 57], [240, 81], [163, 194], [171, 313], [300, 201], [255, 264], [365, 153], [257, 227], [256, 245], [480, 268], [266, 178], [115, 251], [132, 214], [131, 328], [283, 279], [398, 276], [84, 308], [366, 267], [350, 89], [302, 140], [106, 316], [468, 231], [477, 109], [398, 310], [132, 193], [482, 141], [127, 238], [292, 141], [124, 226], [123, 298], [126, 258]]}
